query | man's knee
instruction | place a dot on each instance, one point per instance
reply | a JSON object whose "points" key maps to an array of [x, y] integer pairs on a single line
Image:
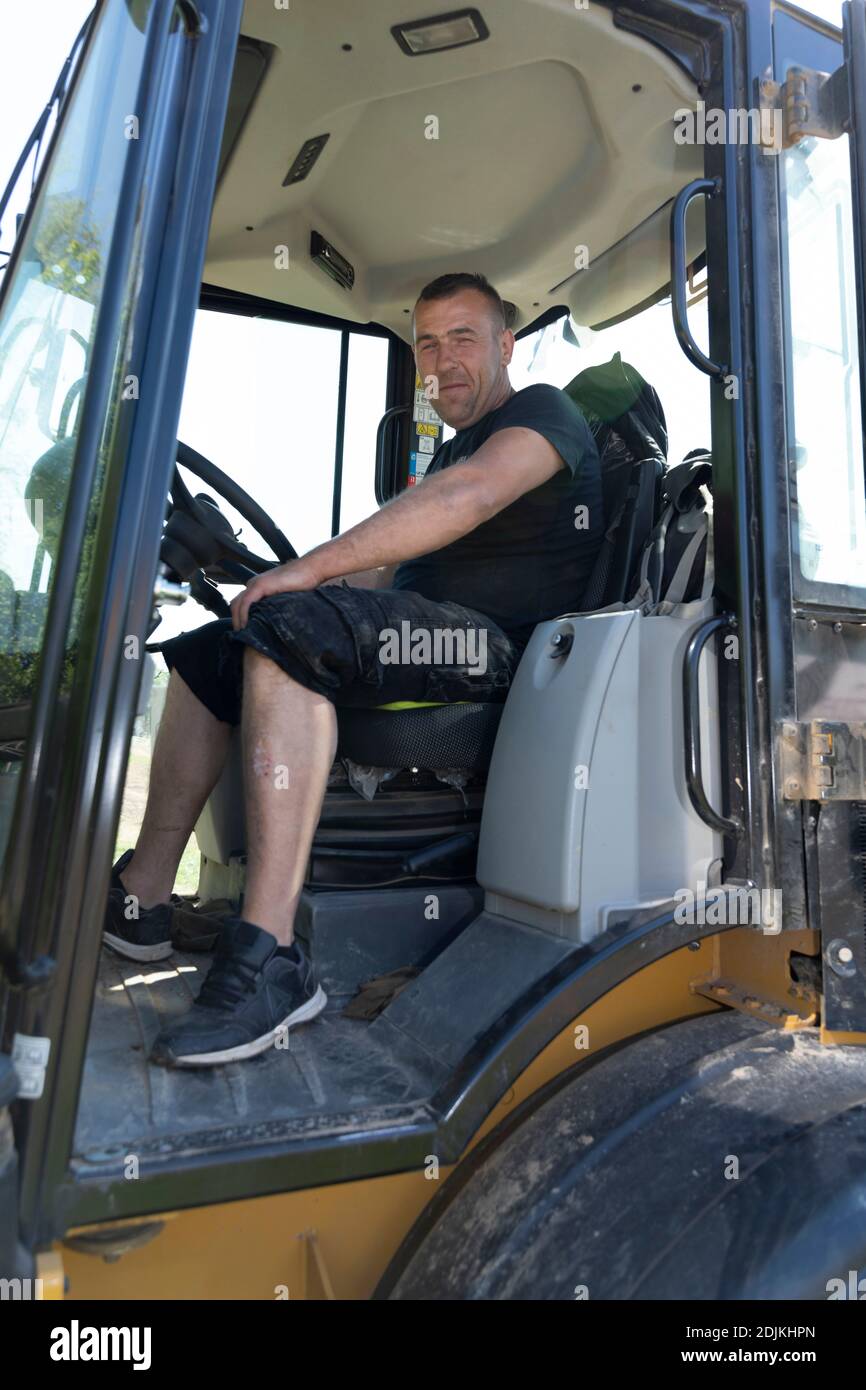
{"points": [[263, 674], [261, 669]]}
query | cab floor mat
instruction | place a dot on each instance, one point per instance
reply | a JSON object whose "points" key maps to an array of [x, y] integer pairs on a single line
{"points": [[332, 1066]]}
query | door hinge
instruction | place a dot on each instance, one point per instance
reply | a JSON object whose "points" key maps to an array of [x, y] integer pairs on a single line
{"points": [[812, 103], [823, 761]]}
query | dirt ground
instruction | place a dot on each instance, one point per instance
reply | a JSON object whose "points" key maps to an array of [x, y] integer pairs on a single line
{"points": [[134, 797]]}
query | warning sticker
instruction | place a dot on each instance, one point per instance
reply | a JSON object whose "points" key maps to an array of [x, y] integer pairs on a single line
{"points": [[426, 424], [418, 465], [30, 1060]]}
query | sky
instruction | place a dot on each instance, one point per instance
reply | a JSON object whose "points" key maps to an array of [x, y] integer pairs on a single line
{"points": [[827, 9]]}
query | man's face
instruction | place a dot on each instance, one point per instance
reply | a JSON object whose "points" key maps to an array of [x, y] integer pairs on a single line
{"points": [[460, 345]]}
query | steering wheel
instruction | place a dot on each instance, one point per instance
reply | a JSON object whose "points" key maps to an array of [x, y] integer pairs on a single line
{"points": [[198, 543]]}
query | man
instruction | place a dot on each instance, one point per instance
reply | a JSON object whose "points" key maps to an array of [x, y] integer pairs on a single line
{"points": [[500, 535]]}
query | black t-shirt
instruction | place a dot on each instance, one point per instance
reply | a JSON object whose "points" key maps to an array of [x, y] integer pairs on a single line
{"points": [[533, 559]]}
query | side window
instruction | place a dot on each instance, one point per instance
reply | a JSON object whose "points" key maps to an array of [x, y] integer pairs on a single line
{"points": [[825, 424], [827, 436], [262, 401], [366, 392]]}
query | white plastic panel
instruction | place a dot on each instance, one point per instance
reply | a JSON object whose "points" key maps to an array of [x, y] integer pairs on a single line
{"points": [[586, 808], [532, 825]]}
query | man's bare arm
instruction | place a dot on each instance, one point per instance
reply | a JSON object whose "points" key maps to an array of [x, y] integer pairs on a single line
{"points": [[445, 507], [367, 579]]}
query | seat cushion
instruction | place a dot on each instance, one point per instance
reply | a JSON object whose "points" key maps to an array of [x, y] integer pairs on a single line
{"points": [[432, 736]]}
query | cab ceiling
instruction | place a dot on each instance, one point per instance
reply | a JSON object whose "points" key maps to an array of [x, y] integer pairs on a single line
{"points": [[554, 133]]}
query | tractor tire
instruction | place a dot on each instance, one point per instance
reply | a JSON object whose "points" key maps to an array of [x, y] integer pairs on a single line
{"points": [[715, 1158]]}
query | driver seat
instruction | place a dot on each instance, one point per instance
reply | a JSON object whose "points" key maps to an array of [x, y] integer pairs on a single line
{"points": [[459, 735]]}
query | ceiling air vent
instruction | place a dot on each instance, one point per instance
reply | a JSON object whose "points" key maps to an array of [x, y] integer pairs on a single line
{"points": [[305, 159], [329, 258]]}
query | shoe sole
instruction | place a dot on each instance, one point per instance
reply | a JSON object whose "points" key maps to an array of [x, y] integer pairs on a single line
{"points": [[307, 1011], [142, 954]]}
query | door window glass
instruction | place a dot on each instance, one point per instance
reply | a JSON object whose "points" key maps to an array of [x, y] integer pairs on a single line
{"points": [[825, 426], [51, 295], [824, 364], [50, 302]]}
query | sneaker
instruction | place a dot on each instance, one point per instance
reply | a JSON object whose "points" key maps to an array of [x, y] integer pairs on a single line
{"points": [[143, 937], [253, 993], [117, 869]]}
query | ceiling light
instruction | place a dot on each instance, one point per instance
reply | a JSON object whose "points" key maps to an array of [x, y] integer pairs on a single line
{"points": [[440, 32]]}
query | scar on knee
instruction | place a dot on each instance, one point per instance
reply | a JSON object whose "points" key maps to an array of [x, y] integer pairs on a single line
{"points": [[261, 760]]}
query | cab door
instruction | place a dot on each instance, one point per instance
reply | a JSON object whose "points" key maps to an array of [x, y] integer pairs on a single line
{"points": [[821, 76], [96, 313]]}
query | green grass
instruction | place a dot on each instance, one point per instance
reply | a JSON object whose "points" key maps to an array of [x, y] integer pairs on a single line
{"points": [[132, 811]]}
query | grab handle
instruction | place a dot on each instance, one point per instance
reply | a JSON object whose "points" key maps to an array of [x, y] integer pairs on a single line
{"points": [[679, 308], [381, 436], [726, 825]]}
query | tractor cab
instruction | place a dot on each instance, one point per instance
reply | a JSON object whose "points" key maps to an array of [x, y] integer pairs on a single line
{"points": [[206, 368]]}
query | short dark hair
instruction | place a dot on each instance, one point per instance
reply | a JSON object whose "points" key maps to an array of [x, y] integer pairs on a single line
{"points": [[446, 285]]}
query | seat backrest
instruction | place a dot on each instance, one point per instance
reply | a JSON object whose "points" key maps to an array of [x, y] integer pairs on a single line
{"points": [[628, 422], [631, 491]]}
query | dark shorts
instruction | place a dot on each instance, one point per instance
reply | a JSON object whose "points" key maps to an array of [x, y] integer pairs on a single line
{"points": [[358, 647]]}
